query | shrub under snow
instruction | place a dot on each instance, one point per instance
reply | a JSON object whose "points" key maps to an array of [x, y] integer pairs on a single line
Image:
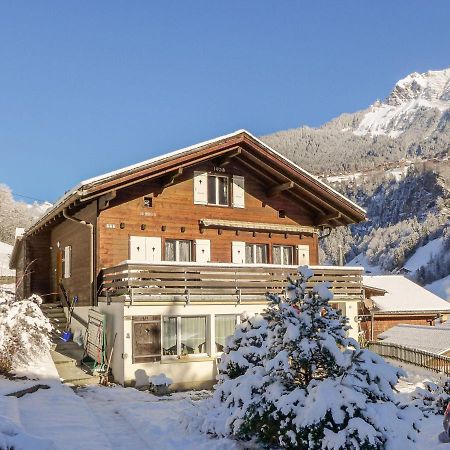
{"points": [[24, 331], [293, 379], [434, 397]]}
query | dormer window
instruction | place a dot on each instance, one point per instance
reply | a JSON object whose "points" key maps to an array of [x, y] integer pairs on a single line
{"points": [[148, 202], [218, 190]]}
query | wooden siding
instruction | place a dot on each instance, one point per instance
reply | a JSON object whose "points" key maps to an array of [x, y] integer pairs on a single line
{"points": [[78, 237], [174, 208], [383, 323]]}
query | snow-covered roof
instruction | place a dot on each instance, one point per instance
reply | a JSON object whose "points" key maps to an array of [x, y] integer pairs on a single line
{"points": [[82, 187], [403, 295], [422, 337]]}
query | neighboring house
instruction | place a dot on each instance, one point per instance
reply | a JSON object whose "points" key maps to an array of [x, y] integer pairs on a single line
{"points": [[421, 337], [391, 300], [174, 249]]}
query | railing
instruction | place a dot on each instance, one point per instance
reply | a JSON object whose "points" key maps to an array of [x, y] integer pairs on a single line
{"points": [[188, 282], [421, 358]]}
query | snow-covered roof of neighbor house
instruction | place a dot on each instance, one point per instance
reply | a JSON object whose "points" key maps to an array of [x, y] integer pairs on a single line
{"points": [[83, 187], [403, 295], [421, 337]]}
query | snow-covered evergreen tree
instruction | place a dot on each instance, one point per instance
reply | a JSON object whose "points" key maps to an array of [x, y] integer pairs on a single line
{"points": [[313, 387]]}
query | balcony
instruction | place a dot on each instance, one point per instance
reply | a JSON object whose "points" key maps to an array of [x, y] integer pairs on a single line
{"points": [[217, 282]]}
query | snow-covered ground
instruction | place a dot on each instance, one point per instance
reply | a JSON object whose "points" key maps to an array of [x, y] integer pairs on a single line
{"points": [[361, 260], [96, 417], [423, 255], [440, 287], [116, 418]]}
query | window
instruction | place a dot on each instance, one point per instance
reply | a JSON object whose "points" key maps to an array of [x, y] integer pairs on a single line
{"points": [[225, 325], [178, 250], [184, 336], [148, 202], [255, 253], [218, 190], [339, 306], [283, 254], [67, 261]]}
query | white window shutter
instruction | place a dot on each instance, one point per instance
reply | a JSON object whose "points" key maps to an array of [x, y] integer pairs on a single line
{"points": [[137, 248], [153, 249], [67, 261], [238, 252], [202, 250], [303, 255], [238, 192], [200, 188]]}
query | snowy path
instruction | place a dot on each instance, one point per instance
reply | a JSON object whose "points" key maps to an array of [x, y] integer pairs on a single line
{"points": [[139, 420]]}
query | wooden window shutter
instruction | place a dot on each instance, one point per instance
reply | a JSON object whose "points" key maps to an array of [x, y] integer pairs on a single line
{"points": [[67, 261], [200, 188], [137, 248], [238, 252], [146, 339], [303, 255], [202, 250], [238, 192], [153, 249]]}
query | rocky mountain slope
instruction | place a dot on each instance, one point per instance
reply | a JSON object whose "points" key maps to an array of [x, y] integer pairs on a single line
{"points": [[392, 159]]}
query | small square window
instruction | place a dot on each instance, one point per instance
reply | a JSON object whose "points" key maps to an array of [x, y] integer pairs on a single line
{"points": [[282, 213], [148, 202]]}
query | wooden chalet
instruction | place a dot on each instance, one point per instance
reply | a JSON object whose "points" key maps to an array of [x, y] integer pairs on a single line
{"points": [[174, 249]]}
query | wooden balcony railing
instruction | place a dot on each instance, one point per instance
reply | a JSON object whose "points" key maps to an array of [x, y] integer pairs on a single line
{"points": [[192, 282]]}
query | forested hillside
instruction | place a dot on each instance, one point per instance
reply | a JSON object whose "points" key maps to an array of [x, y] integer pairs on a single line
{"points": [[15, 214], [393, 160]]}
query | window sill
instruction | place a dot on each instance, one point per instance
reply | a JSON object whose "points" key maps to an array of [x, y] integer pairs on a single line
{"points": [[186, 360]]}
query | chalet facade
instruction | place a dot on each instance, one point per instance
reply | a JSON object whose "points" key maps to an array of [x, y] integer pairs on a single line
{"points": [[175, 249]]}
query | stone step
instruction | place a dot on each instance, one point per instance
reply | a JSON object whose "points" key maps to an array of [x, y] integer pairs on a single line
{"points": [[60, 359], [54, 313], [75, 375]]}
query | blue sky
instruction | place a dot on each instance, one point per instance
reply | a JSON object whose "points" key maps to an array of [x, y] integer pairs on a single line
{"points": [[88, 87]]}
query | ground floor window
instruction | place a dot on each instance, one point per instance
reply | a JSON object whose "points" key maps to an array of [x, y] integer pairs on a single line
{"points": [[178, 250], [339, 306], [283, 254], [184, 336], [256, 254], [225, 325]]}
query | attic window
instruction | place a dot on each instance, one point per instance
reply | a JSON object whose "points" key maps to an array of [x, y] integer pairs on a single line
{"points": [[282, 213], [148, 202]]}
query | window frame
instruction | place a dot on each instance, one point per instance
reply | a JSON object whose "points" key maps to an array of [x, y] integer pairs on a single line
{"points": [[179, 353], [237, 318], [253, 246], [282, 247], [216, 187], [177, 250]]}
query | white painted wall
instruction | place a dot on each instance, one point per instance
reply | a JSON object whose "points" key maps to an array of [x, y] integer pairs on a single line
{"points": [[185, 373]]}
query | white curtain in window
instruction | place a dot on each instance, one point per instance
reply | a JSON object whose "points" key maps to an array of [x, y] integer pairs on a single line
{"points": [[288, 254], [170, 250], [276, 254], [184, 251], [225, 326], [193, 335], [261, 254], [169, 335], [249, 254]]}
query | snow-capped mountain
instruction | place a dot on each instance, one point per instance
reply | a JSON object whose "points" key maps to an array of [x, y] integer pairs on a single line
{"points": [[411, 97], [393, 160]]}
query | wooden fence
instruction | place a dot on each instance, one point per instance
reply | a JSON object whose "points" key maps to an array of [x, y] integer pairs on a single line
{"points": [[216, 281], [421, 358]]}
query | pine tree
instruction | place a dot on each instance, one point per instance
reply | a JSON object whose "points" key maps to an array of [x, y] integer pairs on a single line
{"points": [[312, 387]]}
